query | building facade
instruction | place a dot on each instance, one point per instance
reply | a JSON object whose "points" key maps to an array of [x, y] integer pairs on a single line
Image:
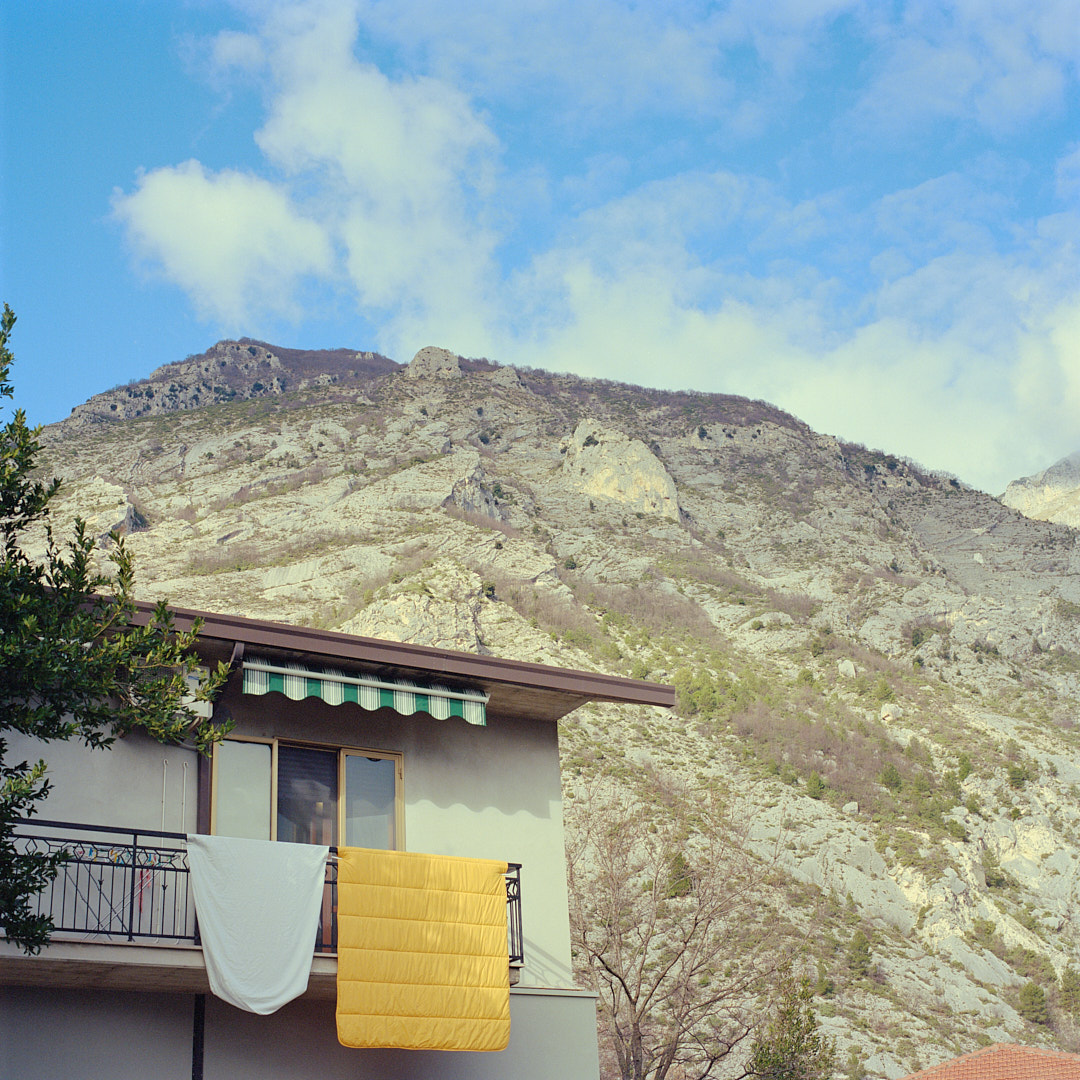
{"points": [[336, 740]]}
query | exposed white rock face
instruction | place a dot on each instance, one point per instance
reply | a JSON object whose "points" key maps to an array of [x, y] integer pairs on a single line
{"points": [[102, 505], [506, 376], [1050, 495], [433, 361], [601, 462], [471, 492], [455, 478], [440, 608]]}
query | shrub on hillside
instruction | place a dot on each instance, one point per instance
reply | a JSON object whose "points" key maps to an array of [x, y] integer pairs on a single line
{"points": [[1032, 1003]]}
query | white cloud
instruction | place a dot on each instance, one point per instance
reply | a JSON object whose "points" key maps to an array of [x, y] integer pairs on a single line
{"points": [[234, 51], [1067, 173], [940, 214], [786, 34], [600, 56], [233, 242], [401, 168], [1047, 375], [995, 63], [927, 321], [381, 183]]}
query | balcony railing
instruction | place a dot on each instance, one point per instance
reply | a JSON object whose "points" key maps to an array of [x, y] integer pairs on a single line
{"points": [[133, 885]]}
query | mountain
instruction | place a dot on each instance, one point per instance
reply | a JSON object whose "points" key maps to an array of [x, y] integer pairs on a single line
{"points": [[230, 371], [1050, 495], [881, 664]]}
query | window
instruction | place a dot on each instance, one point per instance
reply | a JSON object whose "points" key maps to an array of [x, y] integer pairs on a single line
{"points": [[265, 789]]}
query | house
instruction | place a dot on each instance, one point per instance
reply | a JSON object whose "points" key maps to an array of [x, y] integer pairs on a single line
{"points": [[1006, 1061], [328, 747]]}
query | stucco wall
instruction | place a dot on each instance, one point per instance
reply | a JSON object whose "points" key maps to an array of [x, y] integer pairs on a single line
{"points": [[113, 1035], [129, 785], [550, 1036], [491, 792], [485, 792], [93, 1035]]}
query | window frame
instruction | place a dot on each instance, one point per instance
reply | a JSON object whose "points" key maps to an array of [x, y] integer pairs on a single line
{"points": [[342, 752]]}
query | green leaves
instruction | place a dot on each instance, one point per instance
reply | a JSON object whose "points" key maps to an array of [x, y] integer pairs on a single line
{"points": [[1032, 1003], [75, 663], [792, 1047]]}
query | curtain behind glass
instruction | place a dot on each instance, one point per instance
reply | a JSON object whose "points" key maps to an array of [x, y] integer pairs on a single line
{"points": [[307, 795]]}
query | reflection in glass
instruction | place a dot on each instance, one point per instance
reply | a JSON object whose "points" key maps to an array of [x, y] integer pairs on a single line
{"points": [[243, 790], [369, 802], [307, 795]]}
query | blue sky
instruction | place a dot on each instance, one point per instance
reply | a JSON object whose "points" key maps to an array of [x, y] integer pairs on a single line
{"points": [[864, 212]]}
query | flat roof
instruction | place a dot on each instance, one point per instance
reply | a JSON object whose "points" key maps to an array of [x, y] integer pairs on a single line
{"points": [[515, 688]]}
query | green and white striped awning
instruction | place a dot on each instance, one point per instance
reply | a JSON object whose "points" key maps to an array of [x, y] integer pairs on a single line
{"points": [[335, 688]]}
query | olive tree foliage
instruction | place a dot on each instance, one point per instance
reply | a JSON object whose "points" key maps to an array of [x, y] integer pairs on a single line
{"points": [[670, 927], [72, 663]]}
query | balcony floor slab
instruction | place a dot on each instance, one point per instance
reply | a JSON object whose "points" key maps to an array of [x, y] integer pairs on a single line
{"points": [[128, 966]]}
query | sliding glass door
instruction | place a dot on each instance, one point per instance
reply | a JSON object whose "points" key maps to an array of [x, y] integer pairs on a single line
{"points": [[272, 790]]}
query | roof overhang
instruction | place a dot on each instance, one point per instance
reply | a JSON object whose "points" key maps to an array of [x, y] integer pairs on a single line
{"points": [[515, 688]]}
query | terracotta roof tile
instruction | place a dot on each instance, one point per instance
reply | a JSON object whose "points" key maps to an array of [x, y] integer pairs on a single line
{"points": [[1006, 1061]]}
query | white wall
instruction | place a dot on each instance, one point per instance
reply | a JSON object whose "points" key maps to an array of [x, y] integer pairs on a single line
{"points": [[127, 786], [484, 792], [116, 1035], [552, 1037], [93, 1035]]}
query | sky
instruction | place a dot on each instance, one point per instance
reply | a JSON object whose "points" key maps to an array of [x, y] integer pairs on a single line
{"points": [[866, 212]]}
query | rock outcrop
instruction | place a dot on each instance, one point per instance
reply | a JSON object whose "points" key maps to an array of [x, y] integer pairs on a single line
{"points": [[228, 371], [432, 362], [1050, 495], [603, 463]]}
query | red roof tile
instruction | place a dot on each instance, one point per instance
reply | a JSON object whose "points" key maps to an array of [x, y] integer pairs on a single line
{"points": [[1006, 1061]]}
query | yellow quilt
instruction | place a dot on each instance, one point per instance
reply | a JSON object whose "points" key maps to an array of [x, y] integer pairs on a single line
{"points": [[422, 959]]}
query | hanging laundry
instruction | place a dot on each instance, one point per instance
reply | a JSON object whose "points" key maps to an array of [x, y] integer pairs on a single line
{"points": [[258, 905], [422, 957]]}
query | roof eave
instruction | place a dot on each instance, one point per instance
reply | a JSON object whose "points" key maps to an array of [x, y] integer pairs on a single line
{"points": [[549, 692]]}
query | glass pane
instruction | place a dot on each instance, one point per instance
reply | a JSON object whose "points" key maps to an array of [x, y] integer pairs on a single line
{"points": [[369, 802], [243, 790], [307, 795]]}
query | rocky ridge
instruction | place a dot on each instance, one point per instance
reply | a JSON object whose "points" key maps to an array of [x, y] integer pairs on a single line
{"points": [[1050, 495], [230, 370], [883, 661]]}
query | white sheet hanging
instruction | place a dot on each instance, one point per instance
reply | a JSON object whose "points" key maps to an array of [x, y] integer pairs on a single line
{"points": [[258, 907]]}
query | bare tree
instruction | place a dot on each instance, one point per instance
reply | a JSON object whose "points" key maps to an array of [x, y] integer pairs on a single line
{"points": [[670, 928]]}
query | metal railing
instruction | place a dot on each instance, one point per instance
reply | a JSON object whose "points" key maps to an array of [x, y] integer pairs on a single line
{"points": [[515, 938], [115, 883], [132, 884]]}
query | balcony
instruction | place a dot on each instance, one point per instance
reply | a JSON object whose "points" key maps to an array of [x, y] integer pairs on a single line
{"points": [[125, 888]]}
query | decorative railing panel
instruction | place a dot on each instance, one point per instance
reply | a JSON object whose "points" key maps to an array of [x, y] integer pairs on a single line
{"points": [[133, 885], [515, 939], [114, 883]]}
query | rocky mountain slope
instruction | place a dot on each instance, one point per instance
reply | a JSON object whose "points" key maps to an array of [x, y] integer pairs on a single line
{"points": [[1050, 495], [883, 663]]}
